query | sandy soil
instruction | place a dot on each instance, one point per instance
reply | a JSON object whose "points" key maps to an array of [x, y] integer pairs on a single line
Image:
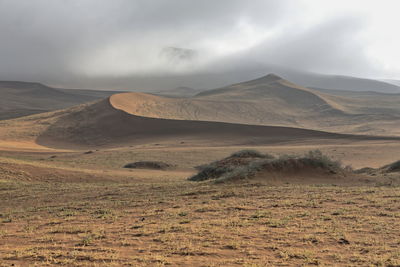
{"points": [[65, 198]]}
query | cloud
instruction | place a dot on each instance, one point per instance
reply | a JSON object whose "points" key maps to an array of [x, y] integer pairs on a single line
{"points": [[334, 46], [94, 42]]}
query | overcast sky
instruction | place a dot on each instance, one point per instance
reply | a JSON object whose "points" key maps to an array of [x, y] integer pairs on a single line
{"points": [[67, 41]]}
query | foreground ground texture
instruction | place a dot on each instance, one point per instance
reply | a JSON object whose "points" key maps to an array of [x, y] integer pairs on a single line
{"points": [[182, 223], [83, 209]]}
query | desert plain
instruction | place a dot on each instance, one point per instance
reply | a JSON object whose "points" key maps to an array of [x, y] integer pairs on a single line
{"points": [[67, 200]]}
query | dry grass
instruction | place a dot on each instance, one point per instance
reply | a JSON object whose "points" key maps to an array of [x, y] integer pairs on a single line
{"points": [[182, 223], [126, 217]]}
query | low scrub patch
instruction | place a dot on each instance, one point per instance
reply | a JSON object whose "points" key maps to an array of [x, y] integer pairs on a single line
{"points": [[250, 153], [154, 165], [393, 167], [245, 164]]}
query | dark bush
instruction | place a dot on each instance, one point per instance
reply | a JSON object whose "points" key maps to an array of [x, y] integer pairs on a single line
{"points": [[366, 170], [393, 167], [210, 172], [245, 164], [250, 153], [154, 165]]}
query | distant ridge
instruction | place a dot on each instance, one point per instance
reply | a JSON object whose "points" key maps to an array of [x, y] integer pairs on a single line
{"points": [[19, 99], [21, 85]]}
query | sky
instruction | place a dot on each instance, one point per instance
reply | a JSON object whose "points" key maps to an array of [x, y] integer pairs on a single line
{"points": [[81, 43]]}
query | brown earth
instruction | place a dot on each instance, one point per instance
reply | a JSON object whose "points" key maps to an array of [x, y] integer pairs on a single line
{"points": [[60, 205]]}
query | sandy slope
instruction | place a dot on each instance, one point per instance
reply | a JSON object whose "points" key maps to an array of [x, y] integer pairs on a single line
{"points": [[19, 99], [271, 100], [100, 124], [240, 114]]}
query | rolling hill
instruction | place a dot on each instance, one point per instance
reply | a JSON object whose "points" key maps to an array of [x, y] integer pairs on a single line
{"points": [[100, 124], [236, 71], [24, 98], [268, 110], [271, 100], [340, 82]]}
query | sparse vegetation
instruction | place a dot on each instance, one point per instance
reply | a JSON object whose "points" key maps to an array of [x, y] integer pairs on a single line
{"points": [[141, 217], [393, 167], [247, 163], [389, 168], [154, 165], [250, 153], [155, 224]]}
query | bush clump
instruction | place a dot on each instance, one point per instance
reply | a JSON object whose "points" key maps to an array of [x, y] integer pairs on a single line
{"points": [[235, 164], [250, 153], [154, 165], [393, 167], [245, 164]]}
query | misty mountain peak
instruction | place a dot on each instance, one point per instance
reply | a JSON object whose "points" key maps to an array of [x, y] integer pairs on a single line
{"points": [[271, 77]]}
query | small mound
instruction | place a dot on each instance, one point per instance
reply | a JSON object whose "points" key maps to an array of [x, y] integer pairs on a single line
{"points": [[234, 162], [154, 165], [235, 167], [393, 167]]}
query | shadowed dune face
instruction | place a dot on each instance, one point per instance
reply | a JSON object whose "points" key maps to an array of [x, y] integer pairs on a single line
{"points": [[100, 124]]}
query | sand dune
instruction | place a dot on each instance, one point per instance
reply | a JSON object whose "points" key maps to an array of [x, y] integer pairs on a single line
{"points": [[269, 110], [271, 100], [101, 124]]}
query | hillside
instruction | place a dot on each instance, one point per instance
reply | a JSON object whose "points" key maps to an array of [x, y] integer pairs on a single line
{"points": [[365, 102], [271, 100], [394, 82], [100, 124], [181, 91], [19, 99], [268, 110], [341, 82], [246, 71]]}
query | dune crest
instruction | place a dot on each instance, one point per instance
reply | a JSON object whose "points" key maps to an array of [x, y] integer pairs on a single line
{"points": [[269, 100]]}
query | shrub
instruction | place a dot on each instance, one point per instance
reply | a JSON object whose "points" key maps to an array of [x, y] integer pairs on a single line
{"points": [[393, 167], [247, 163], [250, 153], [316, 158], [210, 172], [242, 172], [364, 170], [155, 165]]}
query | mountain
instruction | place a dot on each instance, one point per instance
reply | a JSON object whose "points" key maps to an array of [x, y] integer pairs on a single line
{"points": [[25, 98]]}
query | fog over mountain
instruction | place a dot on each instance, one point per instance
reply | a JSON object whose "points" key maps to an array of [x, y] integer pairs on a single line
{"points": [[151, 45]]}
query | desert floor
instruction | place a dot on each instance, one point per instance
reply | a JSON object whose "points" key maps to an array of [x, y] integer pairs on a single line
{"points": [[81, 208]]}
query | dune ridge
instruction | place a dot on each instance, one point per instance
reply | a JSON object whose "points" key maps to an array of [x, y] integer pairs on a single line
{"points": [[269, 100], [102, 125]]}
